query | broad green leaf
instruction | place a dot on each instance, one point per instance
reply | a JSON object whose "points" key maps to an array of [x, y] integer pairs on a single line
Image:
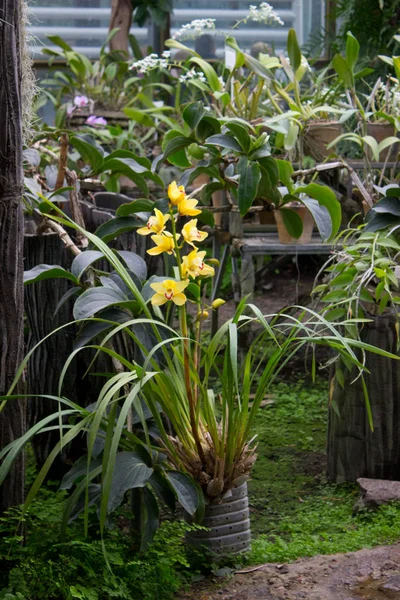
{"points": [[83, 261], [95, 299], [115, 227], [185, 490], [293, 50], [352, 51], [241, 134], [285, 172], [250, 176], [89, 150], [388, 205], [128, 167], [140, 205], [139, 117], [225, 141], [327, 198], [193, 114], [135, 263], [292, 222], [129, 472], [321, 217], [343, 70], [175, 145], [42, 272], [209, 72], [58, 41]]}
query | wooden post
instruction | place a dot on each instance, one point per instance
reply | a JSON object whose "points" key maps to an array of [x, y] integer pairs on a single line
{"points": [[121, 18], [353, 449], [12, 418]]}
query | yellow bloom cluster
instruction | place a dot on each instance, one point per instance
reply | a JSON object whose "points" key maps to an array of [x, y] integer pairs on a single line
{"points": [[191, 265]]}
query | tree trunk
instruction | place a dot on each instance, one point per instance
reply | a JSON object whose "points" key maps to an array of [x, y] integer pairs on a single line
{"points": [[12, 418], [353, 449], [121, 17]]}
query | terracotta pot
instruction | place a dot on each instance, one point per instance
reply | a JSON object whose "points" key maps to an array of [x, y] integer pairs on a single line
{"points": [[318, 135], [308, 226], [381, 131], [266, 217]]}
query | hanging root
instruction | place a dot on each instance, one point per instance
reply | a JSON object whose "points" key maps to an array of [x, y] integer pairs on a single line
{"points": [[28, 82]]}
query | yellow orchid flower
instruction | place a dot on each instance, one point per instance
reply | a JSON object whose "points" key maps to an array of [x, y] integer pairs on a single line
{"points": [[186, 207], [193, 264], [164, 243], [155, 224], [169, 290], [192, 234], [176, 194]]}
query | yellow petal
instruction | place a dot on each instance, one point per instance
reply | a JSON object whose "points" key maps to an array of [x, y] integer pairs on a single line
{"points": [[176, 194], [158, 287], [144, 231], [181, 285], [179, 299], [186, 208], [156, 250], [158, 299]]}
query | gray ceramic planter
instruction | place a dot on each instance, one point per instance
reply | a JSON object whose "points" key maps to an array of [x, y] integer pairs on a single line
{"points": [[228, 525]]}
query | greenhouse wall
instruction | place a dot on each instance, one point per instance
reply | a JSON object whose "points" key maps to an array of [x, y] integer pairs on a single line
{"points": [[84, 23]]}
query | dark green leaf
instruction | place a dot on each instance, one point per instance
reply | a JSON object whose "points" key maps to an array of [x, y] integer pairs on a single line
{"points": [[175, 144], [89, 150], [321, 217], [135, 263], [42, 272], [129, 472], [65, 297], [185, 490], [193, 114], [225, 141], [388, 205], [241, 134], [79, 469], [83, 261], [292, 221], [115, 227], [140, 205], [250, 176], [326, 197], [95, 299]]}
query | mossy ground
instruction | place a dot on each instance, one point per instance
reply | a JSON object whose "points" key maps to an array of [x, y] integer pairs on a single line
{"points": [[294, 511]]}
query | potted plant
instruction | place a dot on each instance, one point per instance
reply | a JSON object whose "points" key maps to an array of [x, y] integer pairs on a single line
{"points": [[207, 391], [382, 110], [361, 281], [310, 123]]}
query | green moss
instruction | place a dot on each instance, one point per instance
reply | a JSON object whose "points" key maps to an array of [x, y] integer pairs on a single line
{"points": [[294, 511]]}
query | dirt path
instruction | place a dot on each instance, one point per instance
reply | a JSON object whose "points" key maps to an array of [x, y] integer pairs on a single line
{"points": [[366, 574]]}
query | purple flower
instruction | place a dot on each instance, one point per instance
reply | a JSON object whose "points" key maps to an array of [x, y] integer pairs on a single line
{"points": [[70, 109], [93, 121], [81, 101]]}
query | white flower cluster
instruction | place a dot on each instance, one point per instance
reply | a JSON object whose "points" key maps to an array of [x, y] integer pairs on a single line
{"points": [[194, 29], [193, 75], [263, 14], [151, 62]]}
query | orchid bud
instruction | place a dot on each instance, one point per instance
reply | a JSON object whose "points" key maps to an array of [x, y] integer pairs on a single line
{"points": [[217, 303]]}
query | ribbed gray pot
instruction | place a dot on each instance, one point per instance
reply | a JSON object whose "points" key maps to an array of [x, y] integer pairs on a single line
{"points": [[228, 525]]}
